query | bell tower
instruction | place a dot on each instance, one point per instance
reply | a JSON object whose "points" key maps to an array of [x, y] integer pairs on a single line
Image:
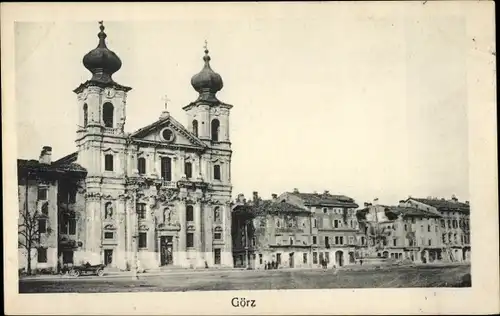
{"points": [[101, 107], [208, 117]]}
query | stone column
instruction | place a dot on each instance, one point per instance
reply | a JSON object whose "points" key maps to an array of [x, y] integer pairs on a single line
{"points": [[208, 234], [197, 235], [226, 253], [120, 256], [93, 234], [181, 249]]}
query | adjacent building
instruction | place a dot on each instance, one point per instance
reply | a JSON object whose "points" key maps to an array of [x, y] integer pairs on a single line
{"points": [[417, 230], [296, 230], [159, 196], [51, 202]]}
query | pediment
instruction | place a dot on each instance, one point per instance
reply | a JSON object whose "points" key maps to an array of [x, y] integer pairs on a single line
{"points": [[168, 131]]}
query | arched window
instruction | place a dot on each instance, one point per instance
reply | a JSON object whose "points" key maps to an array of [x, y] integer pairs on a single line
{"points": [[189, 213], [141, 165], [108, 162], [215, 130], [195, 128], [85, 115], [107, 114]]}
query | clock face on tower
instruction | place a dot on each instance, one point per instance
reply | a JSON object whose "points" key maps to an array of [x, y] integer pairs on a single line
{"points": [[109, 92]]}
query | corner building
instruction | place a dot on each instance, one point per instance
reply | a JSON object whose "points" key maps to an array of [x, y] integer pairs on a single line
{"points": [[159, 196]]}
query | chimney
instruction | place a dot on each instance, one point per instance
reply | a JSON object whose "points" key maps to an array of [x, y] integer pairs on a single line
{"points": [[46, 155], [454, 198], [467, 202], [275, 197], [402, 203], [375, 201], [326, 192], [295, 190], [255, 196], [367, 204], [241, 198]]}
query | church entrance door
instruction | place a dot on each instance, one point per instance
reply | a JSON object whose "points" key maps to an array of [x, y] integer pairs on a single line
{"points": [[166, 257]]}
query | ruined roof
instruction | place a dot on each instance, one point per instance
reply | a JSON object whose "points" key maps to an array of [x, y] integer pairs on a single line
{"points": [[24, 165], [325, 199], [411, 212], [444, 205], [262, 207]]}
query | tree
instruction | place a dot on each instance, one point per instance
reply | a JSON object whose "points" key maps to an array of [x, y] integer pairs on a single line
{"points": [[31, 228]]}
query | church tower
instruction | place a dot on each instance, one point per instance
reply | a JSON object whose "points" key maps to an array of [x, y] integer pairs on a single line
{"points": [[100, 136], [102, 151], [208, 118]]}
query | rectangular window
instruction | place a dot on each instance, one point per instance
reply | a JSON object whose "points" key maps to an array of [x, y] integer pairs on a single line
{"points": [[327, 257], [42, 194], [315, 257], [72, 196], [327, 242], [217, 236], [41, 255], [430, 242], [336, 223], [72, 226], [315, 240], [108, 162], [166, 168], [189, 240], [141, 210], [109, 235], [315, 223], [143, 240], [278, 258], [189, 213], [341, 240], [394, 242], [141, 165], [217, 172], [188, 170], [304, 257], [336, 240], [429, 228], [260, 258], [42, 226]]}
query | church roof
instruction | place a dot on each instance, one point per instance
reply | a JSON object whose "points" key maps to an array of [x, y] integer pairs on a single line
{"points": [[171, 122]]}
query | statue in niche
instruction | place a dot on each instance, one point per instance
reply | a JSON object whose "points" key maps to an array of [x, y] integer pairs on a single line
{"points": [[217, 214], [108, 211], [166, 215]]}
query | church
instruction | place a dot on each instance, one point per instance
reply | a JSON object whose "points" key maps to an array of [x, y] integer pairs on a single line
{"points": [[159, 196]]}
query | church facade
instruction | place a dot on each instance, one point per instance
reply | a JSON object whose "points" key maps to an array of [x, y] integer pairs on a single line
{"points": [[161, 195]]}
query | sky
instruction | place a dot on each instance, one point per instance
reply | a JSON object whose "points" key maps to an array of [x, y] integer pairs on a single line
{"points": [[370, 106]]}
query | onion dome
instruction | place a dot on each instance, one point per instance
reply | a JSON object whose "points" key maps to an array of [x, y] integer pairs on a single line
{"points": [[207, 82], [101, 61]]}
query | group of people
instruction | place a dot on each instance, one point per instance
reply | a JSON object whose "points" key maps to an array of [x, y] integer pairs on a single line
{"points": [[271, 265]]}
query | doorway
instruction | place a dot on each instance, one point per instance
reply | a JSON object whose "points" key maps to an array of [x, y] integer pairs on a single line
{"points": [[166, 256], [67, 256], [290, 260], [108, 257], [217, 257], [339, 258]]}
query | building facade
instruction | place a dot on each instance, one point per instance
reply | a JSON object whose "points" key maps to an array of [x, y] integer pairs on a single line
{"points": [[297, 230], [415, 231], [159, 196], [50, 199], [454, 226], [272, 231]]}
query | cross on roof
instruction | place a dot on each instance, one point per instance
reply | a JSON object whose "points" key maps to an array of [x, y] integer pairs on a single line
{"points": [[206, 45], [166, 100]]}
